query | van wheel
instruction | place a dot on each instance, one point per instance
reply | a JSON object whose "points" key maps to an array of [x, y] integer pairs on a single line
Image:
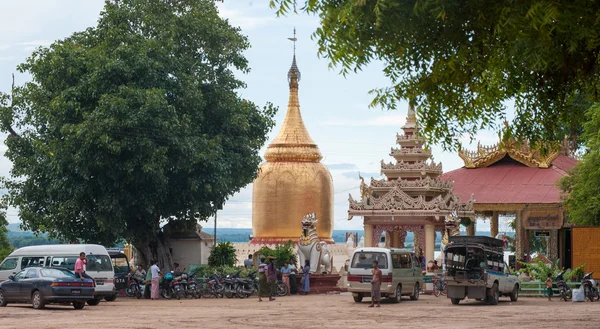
{"points": [[110, 298], [37, 300], [93, 302], [455, 301], [514, 296], [415, 295], [398, 298], [358, 298]]}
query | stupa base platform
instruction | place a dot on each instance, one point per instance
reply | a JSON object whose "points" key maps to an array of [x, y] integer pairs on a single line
{"points": [[322, 283], [272, 240]]}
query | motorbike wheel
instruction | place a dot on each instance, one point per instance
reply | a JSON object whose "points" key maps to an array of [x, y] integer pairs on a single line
{"points": [[282, 289], [138, 294], [167, 293], [563, 295], [129, 292]]}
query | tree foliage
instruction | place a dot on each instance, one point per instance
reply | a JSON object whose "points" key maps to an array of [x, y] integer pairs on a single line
{"points": [[582, 186], [223, 254], [131, 124], [5, 247], [463, 60]]}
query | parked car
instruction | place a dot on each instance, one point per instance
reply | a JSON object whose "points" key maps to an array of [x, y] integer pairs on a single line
{"points": [[46, 285], [475, 269], [400, 269], [99, 264]]}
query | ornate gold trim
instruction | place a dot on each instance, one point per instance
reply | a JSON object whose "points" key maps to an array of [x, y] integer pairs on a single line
{"points": [[522, 152]]}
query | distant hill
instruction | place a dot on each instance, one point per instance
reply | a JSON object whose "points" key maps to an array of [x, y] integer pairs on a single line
{"points": [[19, 238]]}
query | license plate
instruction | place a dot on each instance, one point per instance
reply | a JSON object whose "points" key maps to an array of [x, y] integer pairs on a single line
{"points": [[366, 280], [99, 283], [76, 291]]}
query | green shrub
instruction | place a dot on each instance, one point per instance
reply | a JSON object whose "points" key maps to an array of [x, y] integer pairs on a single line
{"points": [[282, 253], [223, 254], [206, 271], [539, 271]]}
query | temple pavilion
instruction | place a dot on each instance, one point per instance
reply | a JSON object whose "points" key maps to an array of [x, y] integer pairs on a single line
{"points": [[515, 179], [411, 198]]}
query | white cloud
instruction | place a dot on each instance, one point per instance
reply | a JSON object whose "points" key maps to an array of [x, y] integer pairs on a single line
{"points": [[396, 120], [237, 18]]}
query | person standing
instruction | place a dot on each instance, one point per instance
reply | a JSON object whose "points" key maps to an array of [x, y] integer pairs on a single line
{"points": [[263, 285], [80, 265], [248, 263], [156, 274], [305, 278], [293, 272], [285, 275], [549, 287], [376, 285], [272, 276]]}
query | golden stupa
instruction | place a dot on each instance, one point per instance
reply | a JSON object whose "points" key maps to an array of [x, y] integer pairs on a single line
{"points": [[292, 182]]}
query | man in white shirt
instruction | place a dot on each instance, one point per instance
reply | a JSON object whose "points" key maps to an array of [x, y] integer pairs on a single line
{"points": [[248, 263], [156, 274], [293, 272]]}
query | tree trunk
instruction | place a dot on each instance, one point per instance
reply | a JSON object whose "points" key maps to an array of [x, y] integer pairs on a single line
{"points": [[157, 248]]}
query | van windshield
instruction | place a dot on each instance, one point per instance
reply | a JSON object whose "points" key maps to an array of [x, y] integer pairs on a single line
{"points": [[365, 259], [100, 263]]}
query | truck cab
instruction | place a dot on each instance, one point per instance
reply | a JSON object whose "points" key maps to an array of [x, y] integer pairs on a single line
{"points": [[475, 269]]}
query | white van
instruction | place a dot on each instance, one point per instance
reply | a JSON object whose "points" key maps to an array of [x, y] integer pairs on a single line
{"points": [[400, 269], [99, 264]]}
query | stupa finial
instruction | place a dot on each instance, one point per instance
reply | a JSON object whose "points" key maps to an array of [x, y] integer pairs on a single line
{"points": [[294, 73]]}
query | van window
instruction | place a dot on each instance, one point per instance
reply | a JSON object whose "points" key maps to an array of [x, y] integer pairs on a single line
{"points": [[32, 261], [99, 263], [64, 262], [9, 264], [365, 260], [405, 261], [396, 261]]}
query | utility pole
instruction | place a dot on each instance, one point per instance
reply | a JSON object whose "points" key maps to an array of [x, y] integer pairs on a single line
{"points": [[219, 207]]}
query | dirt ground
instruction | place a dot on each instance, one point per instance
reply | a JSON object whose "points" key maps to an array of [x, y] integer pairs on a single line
{"points": [[316, 311]]}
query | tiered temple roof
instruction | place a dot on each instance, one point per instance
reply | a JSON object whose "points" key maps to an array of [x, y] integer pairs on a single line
{"points": [[413, 186]]}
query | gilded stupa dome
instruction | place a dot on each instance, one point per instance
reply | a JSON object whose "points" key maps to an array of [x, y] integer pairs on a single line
{"points": [[292, 182]]}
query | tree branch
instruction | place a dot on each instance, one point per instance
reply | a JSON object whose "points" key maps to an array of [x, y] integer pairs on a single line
{"points": [[12, 132]]}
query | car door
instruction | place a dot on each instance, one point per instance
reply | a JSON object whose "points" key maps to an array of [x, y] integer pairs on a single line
{"points": [[27, 283], [11, 288], [407, 273]]}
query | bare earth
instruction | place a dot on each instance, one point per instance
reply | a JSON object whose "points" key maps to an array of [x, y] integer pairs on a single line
{"points": [[316, 311]]}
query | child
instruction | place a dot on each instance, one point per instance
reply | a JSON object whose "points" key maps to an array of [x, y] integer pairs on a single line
{"points": [[549, 287]]}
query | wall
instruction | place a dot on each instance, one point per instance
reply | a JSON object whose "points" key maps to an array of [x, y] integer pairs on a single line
{"points": [[190, 251], [586, 249]]}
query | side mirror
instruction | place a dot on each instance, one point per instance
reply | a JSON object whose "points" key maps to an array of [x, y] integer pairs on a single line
{"points": [[11, 278]]}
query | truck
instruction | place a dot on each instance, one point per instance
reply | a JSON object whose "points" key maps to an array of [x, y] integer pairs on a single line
{"points": [[475, 269]]}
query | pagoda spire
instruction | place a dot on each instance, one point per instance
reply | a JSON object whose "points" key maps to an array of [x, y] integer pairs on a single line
{"points": [[293, 142]]}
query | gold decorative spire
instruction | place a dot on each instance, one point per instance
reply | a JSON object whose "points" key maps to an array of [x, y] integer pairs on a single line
{"points": [[411, 119], [293, 143]]}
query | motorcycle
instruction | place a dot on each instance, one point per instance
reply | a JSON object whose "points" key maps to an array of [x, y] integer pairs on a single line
{"points": [[178, 285], [212, 287], [192, 287], [589, 287], [247, 287], [563, 290], [134, 288], [166, 286]]}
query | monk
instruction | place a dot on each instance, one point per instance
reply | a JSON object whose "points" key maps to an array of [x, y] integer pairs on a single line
{"points": [[376, 285]]}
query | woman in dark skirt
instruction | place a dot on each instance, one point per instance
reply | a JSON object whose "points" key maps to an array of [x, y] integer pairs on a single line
{"points": [[293, 271], [263, 286]]}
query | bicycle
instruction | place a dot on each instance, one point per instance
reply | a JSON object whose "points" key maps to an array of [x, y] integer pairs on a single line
{"points": [[440, 287]]}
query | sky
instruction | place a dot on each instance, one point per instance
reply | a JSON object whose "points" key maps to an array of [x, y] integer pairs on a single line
{"points": [[352, 137]]}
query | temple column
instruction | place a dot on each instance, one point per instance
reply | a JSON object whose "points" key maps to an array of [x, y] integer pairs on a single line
{"points": [[368, 235], [552, 247], [471, 228], [494, 225], [395, 239], [519, 238], [388, 239], [429, 242]]}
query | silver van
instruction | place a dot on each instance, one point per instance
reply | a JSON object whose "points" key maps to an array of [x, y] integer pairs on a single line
{"points": [[401, 273]]}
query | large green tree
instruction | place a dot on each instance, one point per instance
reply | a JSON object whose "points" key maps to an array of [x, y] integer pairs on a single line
{"points": [[463, 60], [5, 246], [131, 124]]}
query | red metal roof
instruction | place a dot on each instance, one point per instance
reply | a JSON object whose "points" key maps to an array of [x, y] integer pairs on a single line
{"points": [[508, 181]]}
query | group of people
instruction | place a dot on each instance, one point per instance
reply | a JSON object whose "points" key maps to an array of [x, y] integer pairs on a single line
{"points": [[267, 274]]}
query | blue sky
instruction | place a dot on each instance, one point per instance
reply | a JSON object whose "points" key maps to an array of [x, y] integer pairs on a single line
{"points": [[335, 109]]}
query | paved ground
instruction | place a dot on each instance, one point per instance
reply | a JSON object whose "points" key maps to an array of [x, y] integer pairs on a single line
{"points": [[318, 311]]}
